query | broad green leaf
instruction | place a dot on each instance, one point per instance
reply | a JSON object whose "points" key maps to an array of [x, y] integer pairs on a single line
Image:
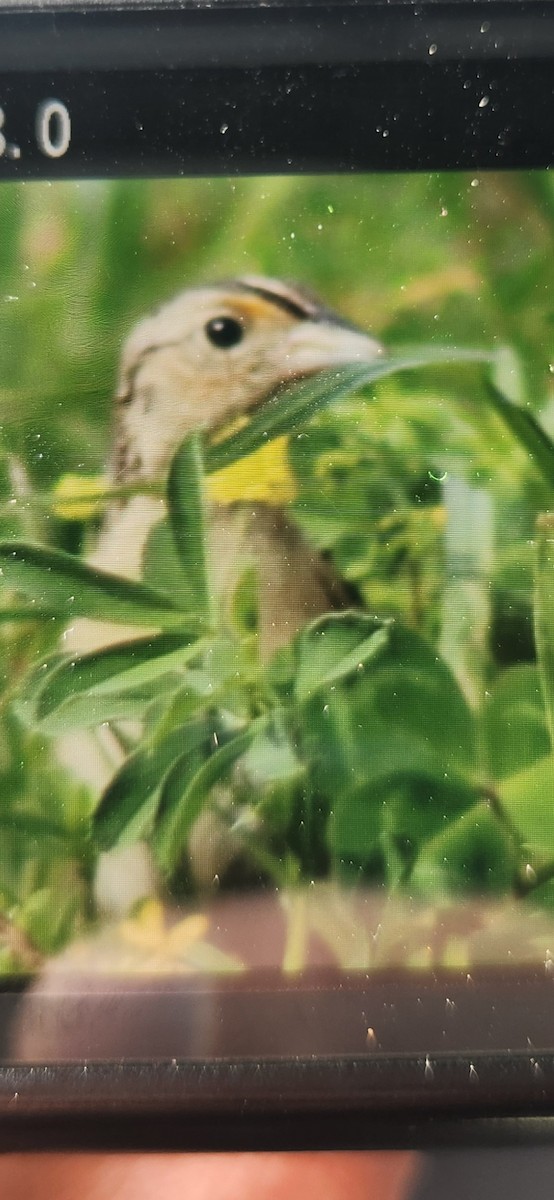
{"points": [[404, 698], [514, 725], [88, 712], [541, 897], [49, 917], [161, 567], [168, 839], [244, 606], [355, 828], [420, 806], [544, 611], [473, 854], [184, 796], [33, 827], [404, 795], [58, 581], [42, 856], [335, 647], [527, 432], [206, 681], [528, 800], [293, 404], [162, 660], [98, 687], [28, 694], [28, 614], [186, 516], [271, 759], [140, 778], [267, 780]]}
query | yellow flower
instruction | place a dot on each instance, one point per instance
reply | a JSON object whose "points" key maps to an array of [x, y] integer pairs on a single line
{"points": [[148, 931], [151, 943]]}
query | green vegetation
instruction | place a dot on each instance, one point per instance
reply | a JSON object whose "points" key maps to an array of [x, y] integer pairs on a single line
{"points": [[407, 745]]}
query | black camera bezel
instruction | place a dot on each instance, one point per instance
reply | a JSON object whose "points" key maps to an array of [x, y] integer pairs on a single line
{"points": [[292, 87], [284, 88], [351, 1104]]}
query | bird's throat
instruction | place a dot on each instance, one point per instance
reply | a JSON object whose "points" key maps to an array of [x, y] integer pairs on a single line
{"points": [[264, 477]]}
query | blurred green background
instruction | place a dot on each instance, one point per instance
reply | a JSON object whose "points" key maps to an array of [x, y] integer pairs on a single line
{"points": [[423, 498]]}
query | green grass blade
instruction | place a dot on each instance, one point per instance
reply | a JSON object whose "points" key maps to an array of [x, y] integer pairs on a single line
{"points": [[57, 581], [527, 432], [183, 797], [544, 612], [186, 516], [21, 614], [106, 676], [140, 778], [294, 404]]}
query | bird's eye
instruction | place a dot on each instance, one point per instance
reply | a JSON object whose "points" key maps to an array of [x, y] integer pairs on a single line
{"points": [[224, 332]]}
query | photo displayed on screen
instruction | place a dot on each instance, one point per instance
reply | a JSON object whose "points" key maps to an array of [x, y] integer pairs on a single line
{"points": [[276, 575]]}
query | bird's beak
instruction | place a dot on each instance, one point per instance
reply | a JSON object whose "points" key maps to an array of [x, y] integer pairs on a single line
{"points": [[319, 345]]}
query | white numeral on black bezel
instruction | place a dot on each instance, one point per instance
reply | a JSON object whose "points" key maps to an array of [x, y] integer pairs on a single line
{"points": [[53, 128]]}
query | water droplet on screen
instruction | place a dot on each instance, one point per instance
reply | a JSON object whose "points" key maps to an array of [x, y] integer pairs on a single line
{"points": [[484, 101], [433, 48], [429, 1071]]}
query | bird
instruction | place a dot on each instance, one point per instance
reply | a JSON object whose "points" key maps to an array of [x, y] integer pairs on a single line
{"points": [[202, 360]]}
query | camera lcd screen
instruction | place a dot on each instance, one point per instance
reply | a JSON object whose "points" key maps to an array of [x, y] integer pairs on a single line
{"points": [[276, 613]]}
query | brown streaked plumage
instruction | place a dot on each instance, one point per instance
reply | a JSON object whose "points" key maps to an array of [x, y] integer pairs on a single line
{"points": [[174, 379], [208, 356]]}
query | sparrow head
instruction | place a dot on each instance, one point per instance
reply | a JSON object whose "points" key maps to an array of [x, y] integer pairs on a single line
{"points": [[216, 352]]}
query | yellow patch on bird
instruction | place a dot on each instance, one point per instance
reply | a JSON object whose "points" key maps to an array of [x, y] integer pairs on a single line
{"points": [[262, 477], [79, 497]]}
